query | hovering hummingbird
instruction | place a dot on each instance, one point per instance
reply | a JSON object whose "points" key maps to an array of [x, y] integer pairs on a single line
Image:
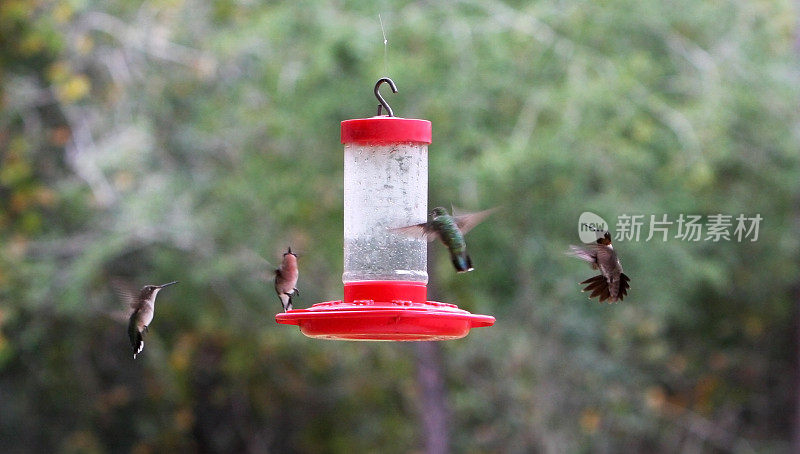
{"points": [[611, 284], [286, 279], [450, 230], [142, 305]]}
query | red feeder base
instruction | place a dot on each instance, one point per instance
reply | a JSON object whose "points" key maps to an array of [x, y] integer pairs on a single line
{"points": [[394, 320]]}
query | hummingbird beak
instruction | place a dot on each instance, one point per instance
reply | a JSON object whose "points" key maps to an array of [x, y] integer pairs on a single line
{"points": [[167, 284]]}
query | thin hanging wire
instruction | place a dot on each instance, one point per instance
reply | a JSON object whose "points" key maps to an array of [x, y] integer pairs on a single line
{"points": [[385, 48]]}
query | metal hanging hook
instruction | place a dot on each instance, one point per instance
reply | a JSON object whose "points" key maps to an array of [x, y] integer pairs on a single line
{"points": [[383, 102]]}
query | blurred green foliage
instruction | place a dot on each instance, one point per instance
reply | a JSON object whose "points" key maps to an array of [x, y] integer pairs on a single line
{"points": [[187, 140]]}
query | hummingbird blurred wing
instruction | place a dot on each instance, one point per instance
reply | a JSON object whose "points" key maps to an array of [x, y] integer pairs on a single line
{"points": [[264, 260], [587, 255], [125, 291], [417, 230], [279, 281], [467, 221]]}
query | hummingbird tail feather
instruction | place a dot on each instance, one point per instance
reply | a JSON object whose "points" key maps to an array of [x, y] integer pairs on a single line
{"points": [[135, 336], [598, 291], [624, 285], [137, 341], [594, 284], [594, 279], [598, 285], [462, 262], [619, 289]]}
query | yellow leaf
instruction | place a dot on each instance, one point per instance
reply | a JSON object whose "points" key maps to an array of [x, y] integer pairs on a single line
{"points": [[16, 10], [31, 44], [63, 12], [75, 88], [59, 71], [14, 172]]}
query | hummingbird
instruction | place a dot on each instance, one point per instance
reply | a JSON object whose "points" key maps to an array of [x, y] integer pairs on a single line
{"points": [[143, 306], [286, 279], [611, 284], [450, 230]]}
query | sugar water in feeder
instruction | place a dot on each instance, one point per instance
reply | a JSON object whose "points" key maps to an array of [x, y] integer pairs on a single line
{"points": [[385, 273], [385, 186]]}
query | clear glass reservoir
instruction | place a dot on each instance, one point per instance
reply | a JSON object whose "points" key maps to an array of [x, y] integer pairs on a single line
{"points": [[385, 187]]}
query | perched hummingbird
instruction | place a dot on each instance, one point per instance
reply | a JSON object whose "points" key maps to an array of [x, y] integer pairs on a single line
{"points": [[286, 279], [611, 284], [450, 230], [142, 305]]}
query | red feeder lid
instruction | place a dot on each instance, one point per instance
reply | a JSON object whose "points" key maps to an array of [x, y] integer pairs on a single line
{"points": [[386, 130], [395, 319]]}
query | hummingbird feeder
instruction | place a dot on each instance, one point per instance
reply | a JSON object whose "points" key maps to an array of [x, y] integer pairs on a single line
{"points": [[385, 273]]}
